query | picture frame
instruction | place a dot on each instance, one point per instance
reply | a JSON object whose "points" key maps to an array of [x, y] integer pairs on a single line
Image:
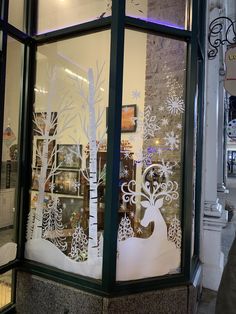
{"points": [[39, 119], [66, 156], [128, 118], [35, 180], [39, 147], [70, 205], [67, 182]]}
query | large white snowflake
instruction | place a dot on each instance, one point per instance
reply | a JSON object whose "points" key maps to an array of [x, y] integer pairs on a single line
{"points": [[175, 105], [165, 169], [172, 140]]}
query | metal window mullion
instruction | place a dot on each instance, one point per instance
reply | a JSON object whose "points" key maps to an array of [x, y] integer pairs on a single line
{"points": [[25, 143], [3, 62], [188, 161], [113, 147]]}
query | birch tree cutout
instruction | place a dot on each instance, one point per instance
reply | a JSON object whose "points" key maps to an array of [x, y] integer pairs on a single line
{"points": [[49, 130], [95, 174]]}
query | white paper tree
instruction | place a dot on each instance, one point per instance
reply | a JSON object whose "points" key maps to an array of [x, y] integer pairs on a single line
{"points": [[48, 128], [52, 223], [125, 229], [79, 245], [30, 224], [95, 174], [174, 232]]}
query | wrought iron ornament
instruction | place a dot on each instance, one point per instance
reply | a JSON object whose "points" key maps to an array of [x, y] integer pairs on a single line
{"points": [[217, 38]]}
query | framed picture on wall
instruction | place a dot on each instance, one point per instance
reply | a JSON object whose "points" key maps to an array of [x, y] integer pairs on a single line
{"points": [[42, 122], [128, 118], [39, 151], [69, 156], [35, 180], [67, 182]]}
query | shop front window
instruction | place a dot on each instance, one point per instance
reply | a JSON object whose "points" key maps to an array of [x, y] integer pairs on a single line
{"points": [[10, 149], [149, 232], [16, 13], [172, 13], [57, 14], [65, 224]]}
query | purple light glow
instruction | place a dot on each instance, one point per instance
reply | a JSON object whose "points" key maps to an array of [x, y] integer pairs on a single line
{"points": [[152, 20]]}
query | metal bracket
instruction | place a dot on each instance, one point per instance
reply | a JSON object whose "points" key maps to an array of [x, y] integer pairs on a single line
{"points": [[216, 38]]}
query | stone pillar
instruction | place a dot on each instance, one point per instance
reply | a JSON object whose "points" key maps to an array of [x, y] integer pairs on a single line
{"points": [[214, 217], [221, 189]]}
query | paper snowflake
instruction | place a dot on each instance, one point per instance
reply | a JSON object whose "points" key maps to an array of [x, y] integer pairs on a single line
{"points": [[172, 140], [161, 108], [76, 185], [127, 155], [139, 230], [164, 122], [179, 126], [52, 186], [175, 105], [165, 169], [69, 159], [135, 94]]}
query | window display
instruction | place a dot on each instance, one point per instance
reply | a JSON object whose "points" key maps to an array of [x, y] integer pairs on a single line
{"points": [[65, 223], [149, 233]]}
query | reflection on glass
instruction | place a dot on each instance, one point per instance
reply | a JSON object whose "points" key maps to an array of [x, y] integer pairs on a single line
{"points": [[5, 289], [58, 14], [149, 233], [158, 11], [9, 168], [65, 224], [16, 13]]}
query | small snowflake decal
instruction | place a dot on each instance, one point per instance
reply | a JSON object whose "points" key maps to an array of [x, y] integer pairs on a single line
{"points": [[52, 186], [165, 169], [127, 155], [76, 185], [175, 105], [139, 230], [172, 140], [68, 159], [136, 94], [179, 126], [164, 122]]}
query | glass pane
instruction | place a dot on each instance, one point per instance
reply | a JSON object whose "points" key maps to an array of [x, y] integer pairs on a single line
{"points": [[9, 169], [5, 289], [56, 14], [16, 13], [173, 13], [149, 233], [65, 225]]}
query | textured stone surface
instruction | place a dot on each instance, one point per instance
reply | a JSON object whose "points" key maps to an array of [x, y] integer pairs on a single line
{"points": [[40, 296], [171, 301]]}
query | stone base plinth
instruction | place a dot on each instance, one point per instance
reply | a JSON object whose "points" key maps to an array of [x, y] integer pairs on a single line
{"points": [[39, 296]]}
